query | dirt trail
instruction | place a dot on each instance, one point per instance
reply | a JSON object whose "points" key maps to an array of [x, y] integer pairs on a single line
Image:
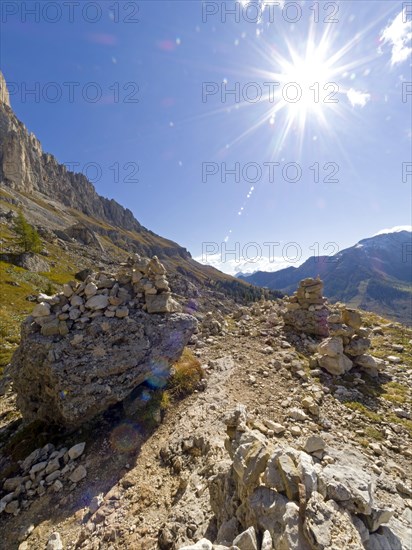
{"points": [[159, 485]]}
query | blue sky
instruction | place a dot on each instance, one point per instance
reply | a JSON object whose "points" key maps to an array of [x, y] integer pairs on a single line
{"points": [[308, 148]]}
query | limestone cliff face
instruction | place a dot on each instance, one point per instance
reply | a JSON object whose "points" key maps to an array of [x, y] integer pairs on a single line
{"points": [[24, 167], [4, 93]]}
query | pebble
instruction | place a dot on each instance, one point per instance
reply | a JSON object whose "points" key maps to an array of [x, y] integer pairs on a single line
{"points": [[54, 542], [78, 474], [314, 443], [76, 451]]}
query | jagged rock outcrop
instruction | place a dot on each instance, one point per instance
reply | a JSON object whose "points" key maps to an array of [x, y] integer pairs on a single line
{"points": [[28, 260], [24, 167], [90, 346], [4, 93], [275, 496], [85, 235]]}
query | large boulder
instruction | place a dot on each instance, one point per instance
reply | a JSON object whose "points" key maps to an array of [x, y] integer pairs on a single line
{"points": [[70, 378]]}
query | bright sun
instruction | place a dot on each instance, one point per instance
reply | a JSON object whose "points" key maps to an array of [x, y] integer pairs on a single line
{"points": [[306, 81]]}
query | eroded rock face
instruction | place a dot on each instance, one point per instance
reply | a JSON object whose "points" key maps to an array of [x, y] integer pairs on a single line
{"points": [[290, 500], [4, 93], [70, 379]]}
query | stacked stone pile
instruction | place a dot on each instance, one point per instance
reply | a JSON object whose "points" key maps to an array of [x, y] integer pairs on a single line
{"points": [[274, 496], [45, 470], [141, 284], [346, 344], [306, 310], [90, 346], [212, 324]]}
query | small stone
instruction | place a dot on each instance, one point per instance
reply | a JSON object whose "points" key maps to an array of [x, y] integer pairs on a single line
{"points": [[12, 507], [74, 314], [100, 301], [38, 467], [310, 404], [398, 347], [90, 290], [295, 431], [352, 318], [313, 444], [12, 483], [54, 542], [394, 359], [41, 310], [52, 466], [53, 476], [403, 489], [277, 428], [76, 451], [76, 301], [67, 290], [122, 312], [78, 474], [95, 503], [376, 448], [290, 476], [57, 486], [77, 339], [267, 542], [246, 540], [377, 518], [161, 303], [297, 414], [52, 328]]}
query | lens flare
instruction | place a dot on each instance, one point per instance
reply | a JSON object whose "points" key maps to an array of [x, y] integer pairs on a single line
{"points": [[125, 438]]}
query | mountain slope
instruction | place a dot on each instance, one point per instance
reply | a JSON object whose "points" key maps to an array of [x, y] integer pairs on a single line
{"points": [[375, 274], [67, 204]]}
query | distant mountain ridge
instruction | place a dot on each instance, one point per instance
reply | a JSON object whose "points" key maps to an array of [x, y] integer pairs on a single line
{"points": [[375, 274]]}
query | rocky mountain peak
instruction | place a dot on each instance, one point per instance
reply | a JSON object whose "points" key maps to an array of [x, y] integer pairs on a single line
{"points": [[4, 93], [25, 168]]}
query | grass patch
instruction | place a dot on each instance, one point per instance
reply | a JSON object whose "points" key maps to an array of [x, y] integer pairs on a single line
{"points": [[404, 422], [364, 442], [186, 375], [395, 392], [363, 410], [373, 433]]}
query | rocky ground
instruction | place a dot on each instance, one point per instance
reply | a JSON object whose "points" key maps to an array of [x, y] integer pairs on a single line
{"points": [[150, 488]]}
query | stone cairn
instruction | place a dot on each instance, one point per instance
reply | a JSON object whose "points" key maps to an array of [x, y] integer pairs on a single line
{"points": [[141, 283], [346, 343], [306, 309], [87, 348]]}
